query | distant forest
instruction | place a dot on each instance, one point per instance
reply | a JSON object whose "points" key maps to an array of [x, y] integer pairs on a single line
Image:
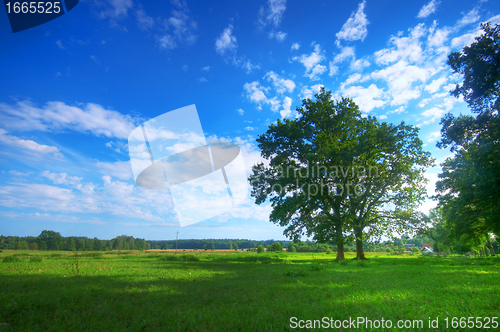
{"points": [[50, 240]]}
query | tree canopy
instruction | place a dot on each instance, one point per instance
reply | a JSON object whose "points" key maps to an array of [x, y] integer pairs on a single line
{"points": [[479, 64], [469, 185], [337, 176]]}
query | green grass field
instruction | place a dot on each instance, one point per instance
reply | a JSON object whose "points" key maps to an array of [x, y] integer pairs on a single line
{"points": [[245, 291]]}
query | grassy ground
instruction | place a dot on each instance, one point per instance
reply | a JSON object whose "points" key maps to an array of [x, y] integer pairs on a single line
{"points": [[203, 291]]}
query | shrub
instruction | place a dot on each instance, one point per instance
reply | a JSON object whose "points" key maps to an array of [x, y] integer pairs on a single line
{"points": [[35, 259], [186, 258], [328, 251], [414, 250], [276, 246], [292, 248], [11, 259], [260, 249]]}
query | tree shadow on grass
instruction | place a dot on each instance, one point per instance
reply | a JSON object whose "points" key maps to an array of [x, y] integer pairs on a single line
{"points": [[234, 294]]}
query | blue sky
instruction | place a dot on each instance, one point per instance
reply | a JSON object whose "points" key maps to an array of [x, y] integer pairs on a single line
{"points": [[74, 88]]}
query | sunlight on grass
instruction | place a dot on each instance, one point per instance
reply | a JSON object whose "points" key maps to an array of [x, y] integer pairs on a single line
{"points": [[204, 291]]}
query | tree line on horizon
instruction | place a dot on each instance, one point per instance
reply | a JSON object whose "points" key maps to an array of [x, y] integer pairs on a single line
{"points": [[51, 240]]}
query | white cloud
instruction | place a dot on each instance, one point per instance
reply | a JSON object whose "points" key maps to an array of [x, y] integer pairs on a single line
{"points": [[118, 169], [382, 117], [180, 29], [295, 46], [312, 63], [398, 110], [57, 116], [438, 37], [166, 42], [115, 9], [307, 93], [27, 144], [355, 27], [112, 198], [94, 58], [60, 44], [424, 102], [280, 84], [428, 9], [286, 111], [273, 14], [432, 115], [468, 38], [355, 78], [471, 17], [240, 111], [404, 48], [255, 92], [144, 21], [226, 43], [16, 173], [279, 36], [347, 53], [400, 78], [62, 178], [202, 80], [435, 85], [333, 69], [359, 64], [206, 68], [366, 98], [249, 66], [432, 137], [249, 128]]}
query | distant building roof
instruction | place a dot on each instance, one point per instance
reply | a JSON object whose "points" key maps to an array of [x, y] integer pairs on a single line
{"points": [[426, 245]]}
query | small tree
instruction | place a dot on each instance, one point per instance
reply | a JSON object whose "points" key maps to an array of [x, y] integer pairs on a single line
{"points": [[276, 246], [260, 249]]}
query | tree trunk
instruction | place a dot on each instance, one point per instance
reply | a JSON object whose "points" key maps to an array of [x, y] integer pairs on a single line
{"points": [[360, 253], [492, 250], [340, 251]]}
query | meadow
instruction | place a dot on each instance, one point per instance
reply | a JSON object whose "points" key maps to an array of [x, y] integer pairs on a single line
{"points": [[244, 291]]}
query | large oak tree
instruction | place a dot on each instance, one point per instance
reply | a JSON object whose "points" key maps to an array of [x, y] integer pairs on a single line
{"points": [[336, 175]]}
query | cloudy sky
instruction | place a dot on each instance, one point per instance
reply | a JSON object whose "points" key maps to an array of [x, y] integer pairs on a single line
{"points": [[73, 89]]}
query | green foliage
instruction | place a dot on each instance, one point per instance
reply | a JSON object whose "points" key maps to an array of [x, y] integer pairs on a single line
{"points": [[291, 248], [319, 159], [479, 64], [276, 246], [11, 259], [414, 250], [467, 189], [177, 258], [35, 259], [260, 249], [22, 245]]}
